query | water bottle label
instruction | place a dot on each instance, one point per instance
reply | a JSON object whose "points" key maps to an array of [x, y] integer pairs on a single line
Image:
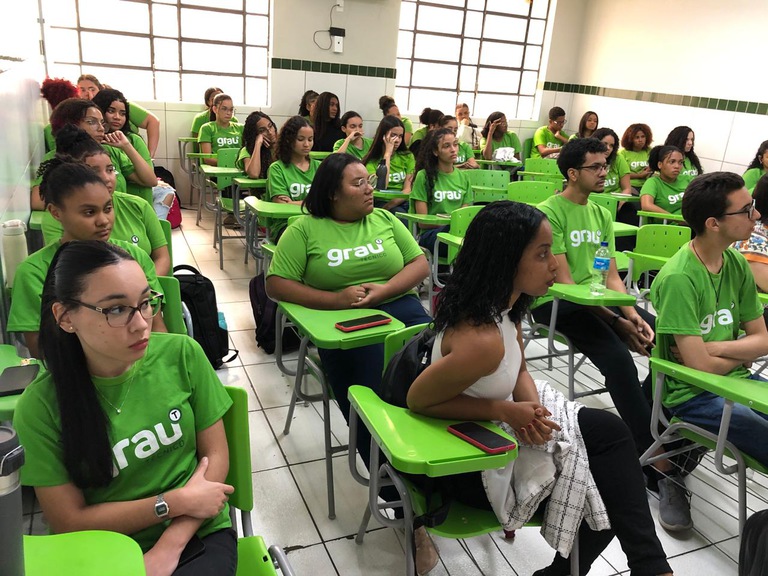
{"points": [[602, 264]]}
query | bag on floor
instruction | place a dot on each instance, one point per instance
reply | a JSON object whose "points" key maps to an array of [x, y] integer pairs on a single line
{"points": [[174, 214], [264, 314], [405, 367], [753, 552], [198, 294]]}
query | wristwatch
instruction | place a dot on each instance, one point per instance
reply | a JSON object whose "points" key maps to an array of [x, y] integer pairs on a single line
{"points": [[161, 507]]}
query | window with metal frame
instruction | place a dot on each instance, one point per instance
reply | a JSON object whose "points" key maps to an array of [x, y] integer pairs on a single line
{"points": [[486, 53], [165, 50]]}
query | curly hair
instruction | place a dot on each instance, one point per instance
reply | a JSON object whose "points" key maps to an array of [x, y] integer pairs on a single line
{"points": [[286, 138], [677, 138], [62, 176], [428, 160], [601, 133], [104, 98], [627, 140], [56, 90], [376, 152], [757, 161], [70, 111], [251, 132], [483, 278]]}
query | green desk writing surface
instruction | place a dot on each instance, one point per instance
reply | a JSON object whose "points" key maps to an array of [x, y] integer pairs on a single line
{"points": [[36, 220], [389, 195], [212, 171], [579, 294], [268, 209], [451, 239], [432, 219], [87, 553], [250, 183], [621, 229], [187, 139]]}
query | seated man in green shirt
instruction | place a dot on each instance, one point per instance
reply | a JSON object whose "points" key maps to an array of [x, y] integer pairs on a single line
{"points": [[548, 139], [703, 296]]}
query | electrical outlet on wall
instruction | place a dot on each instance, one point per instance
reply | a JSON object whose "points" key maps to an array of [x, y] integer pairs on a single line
{"points": [[339, 6]]}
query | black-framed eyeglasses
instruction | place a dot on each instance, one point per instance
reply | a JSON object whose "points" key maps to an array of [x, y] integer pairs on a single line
{"points": [[749, 210], [596, 168], [122, 314]]}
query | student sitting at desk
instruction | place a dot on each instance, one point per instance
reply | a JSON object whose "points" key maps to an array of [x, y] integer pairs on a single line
{"points": [[664, 192], [465, 157], [259, 139], [325, 121], [439, 187], [547, 140], [222, 132], [635, 149], [207, 115], [389, 108], [355, 143], [617, 178], [757, 168], [78, 198], [683, 139], [123, 432], [496, 135], [389, 152]]}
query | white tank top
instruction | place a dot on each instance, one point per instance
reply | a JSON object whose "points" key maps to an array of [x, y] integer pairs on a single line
{"points": [[501, 383]]}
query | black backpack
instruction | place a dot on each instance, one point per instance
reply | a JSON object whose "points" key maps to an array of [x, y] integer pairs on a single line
{"points": [[264, 313], [199, 296], [405, 366]]}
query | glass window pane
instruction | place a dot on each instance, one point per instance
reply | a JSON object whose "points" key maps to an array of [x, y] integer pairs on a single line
{"points": [[423, 98], [487, 103], [525, 107], [519, 7], [437, 75], [443, 20], [468, 78], [498, 54], [495, 80], [257, 30], [61, 45], [476, 5], [403, 76], [536, 31], [473, 25], [257, 6], [256, 61], [528, 83], [112, 15], [208, 25], [115, 49], [471, 52], [532, 57], [407, 15], [504, 28], [165, 21], [467, 98], [166, 54], [404, 44], [193, 86], [430, 47], [167, 86], [64, 70], [135, 84], [59, 13], [539, 9], [230, 4], [198, 56], [255, 94], [401, 97], [456, 3]]}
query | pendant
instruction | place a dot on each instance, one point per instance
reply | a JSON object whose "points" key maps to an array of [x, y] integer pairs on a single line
{"points": [[118, 410]]}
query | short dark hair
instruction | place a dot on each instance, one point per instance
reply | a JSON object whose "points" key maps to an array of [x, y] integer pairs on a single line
{"points": [[326, 183], [555, 112], [348, 116], [575, 151], [760, 194], [707, 197]]}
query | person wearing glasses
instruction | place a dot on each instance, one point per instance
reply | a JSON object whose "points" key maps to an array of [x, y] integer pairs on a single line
{"points": [[547, 140], [607, 336], [222, 132], [259, 138], [128, 163], [124, 430], [78, 198], [704, 296], [663, 193], [495, 135]]}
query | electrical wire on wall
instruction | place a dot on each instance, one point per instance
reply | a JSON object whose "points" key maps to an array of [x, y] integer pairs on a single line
{"points": [[327, 31]]}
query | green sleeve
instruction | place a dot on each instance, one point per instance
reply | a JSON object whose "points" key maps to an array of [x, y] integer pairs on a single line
{"points": [[138, 114], [242, 155], [676, 306], [607, 226], [24, 315], [469, 194], [409, 248], [290, 260], [407, 125], [141, 148], [751, 177], [410, 163], [198, 121], [515, 142], [649, 188], [155, 233], [539, 138], [558, 232], [122, 162], [622, 168], [419, 188], [276, 181], [206, 133], [208, 398], [337, 145], [51, 228], [144, 261], [371, 166]]}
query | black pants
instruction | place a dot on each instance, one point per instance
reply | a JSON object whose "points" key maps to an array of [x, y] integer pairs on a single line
{"points": [[616, 471], [594, 338], [220, 556]]}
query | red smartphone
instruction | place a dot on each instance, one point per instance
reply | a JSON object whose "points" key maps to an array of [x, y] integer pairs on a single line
{"points": [[481, 437], [363, 323]]}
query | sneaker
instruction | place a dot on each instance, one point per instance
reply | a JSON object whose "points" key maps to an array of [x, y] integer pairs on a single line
{"points": [[230, 220], [674, 504], [426, 553]]}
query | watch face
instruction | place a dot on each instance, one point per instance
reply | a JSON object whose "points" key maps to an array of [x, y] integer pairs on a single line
{"points": [[161, 508]]}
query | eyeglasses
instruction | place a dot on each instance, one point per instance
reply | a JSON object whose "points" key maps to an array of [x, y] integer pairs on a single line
{"points": [[122, 314], [372, 180], [749, 210], [560, 122], [93, 122], [225, 109], [596, 168]]}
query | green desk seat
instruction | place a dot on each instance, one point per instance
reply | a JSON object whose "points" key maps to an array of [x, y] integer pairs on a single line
{"points": [[319, 155], [646, 217], [388, 195], [86, 553], [542, 170], [500, 163], [260, 213], [173, 315], [531, 192], [36, 219]]}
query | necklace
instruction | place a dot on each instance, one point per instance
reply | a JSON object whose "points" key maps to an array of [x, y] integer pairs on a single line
{"points": [[709, 275], [119, 408]]}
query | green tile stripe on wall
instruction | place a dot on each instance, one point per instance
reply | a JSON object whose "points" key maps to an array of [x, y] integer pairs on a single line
{"points": [[675, 99], [332, 68]]}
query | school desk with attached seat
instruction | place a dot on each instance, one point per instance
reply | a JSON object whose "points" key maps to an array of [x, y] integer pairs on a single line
{"points": [[258, 213]]}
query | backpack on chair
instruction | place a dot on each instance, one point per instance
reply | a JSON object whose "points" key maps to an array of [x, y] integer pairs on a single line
{"points": [[405, 367]]}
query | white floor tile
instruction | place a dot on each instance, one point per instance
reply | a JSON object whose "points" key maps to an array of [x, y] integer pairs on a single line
{"points": [[265, 453], [708, 561], [232, 269], [312, 560], [235, 290], [272, 387], [238, 314], [304, 442], [380, 554], [197, 236]]}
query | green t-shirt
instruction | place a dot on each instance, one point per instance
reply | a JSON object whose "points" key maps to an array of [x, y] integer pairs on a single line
{"points": [[636, 161], [329, 255], [464, 153], [219, 137], [544, 136], [26, 299], [123, 166], [353, 150], [617, 171], [203, 118], [418, 135], [684, 297], [509, 140], [135, 222], [137, 114], [169, 396], [689, 172], [242, 156], [451, 191], [407, 125], [50, 141], [751, 177], [401, 164], [144, 192], [289, 180], [666, 195], [577, 231]]}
